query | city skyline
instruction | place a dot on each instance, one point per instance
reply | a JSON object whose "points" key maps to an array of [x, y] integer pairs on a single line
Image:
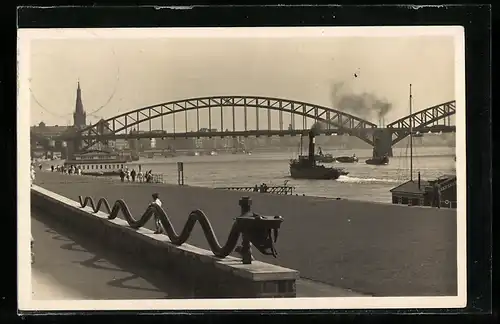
{"points": [[124, 75]]}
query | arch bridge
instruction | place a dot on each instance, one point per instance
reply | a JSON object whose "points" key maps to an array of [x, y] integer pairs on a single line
{"points": [[232, 116], [428, 119], [258, 122]]}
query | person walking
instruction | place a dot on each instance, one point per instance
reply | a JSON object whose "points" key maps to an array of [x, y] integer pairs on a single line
{"points": [[32, 174], [132, 174], [157, 201], [436, 201]]}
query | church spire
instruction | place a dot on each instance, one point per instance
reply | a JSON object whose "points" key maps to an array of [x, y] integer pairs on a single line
{"points": [[79, 116]]}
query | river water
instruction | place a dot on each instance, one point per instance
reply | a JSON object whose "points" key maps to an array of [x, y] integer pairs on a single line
{"points": [[364, 182]]}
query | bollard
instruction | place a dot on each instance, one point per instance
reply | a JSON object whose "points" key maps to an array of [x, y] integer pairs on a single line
{"points": [[246, 246], [245, 203]]}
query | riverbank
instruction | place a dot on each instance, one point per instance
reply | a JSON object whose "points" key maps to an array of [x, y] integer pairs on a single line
{"points": [[372, 248]]}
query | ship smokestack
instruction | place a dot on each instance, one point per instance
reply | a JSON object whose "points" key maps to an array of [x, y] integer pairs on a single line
{"points": [[311, 145]]}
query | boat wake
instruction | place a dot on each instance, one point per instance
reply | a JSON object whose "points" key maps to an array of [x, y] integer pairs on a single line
{"points": [[348, 179]]}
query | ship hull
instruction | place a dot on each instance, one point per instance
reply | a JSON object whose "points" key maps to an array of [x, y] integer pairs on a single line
{"points": [[378, 161], [316, 173], [346, 159], [322, 158]]}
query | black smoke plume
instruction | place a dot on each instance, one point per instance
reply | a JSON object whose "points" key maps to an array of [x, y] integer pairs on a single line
{"points": [[364, 105], [316, 128]]}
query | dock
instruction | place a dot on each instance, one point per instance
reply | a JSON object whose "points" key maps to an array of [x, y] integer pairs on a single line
{"points": [[277, 190]]}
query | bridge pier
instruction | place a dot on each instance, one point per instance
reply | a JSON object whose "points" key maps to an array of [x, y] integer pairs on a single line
{"points": [[382, 140]]}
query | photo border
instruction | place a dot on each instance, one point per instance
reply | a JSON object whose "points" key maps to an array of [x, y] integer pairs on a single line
{"points": [[408, 10]]}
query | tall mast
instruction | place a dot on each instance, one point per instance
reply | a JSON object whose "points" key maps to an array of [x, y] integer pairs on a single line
{"points": [[411, 137], [301, 136]]}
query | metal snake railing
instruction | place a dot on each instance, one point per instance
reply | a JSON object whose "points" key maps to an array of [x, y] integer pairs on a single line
{"points": [[255, 229]]}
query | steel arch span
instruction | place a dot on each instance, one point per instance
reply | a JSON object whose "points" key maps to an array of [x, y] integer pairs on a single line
{"points": [[330, 117], [422, 120]]}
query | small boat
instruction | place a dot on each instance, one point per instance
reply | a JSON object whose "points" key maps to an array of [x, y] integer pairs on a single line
{"points": [[383, 160], [347, 159], [326, 158], [323, 158]]}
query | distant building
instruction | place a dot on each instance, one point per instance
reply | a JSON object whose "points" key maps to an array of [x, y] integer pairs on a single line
{"points": [[79, 120], [43, 136], [119, 144], [79, 116], [49, 131]]}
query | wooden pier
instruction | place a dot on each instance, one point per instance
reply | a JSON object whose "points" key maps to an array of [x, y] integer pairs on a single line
{"points": [[277, 190]]}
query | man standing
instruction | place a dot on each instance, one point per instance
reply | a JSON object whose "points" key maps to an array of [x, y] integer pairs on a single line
{"points": [[436, 195], [32, 174], [157, 201]]}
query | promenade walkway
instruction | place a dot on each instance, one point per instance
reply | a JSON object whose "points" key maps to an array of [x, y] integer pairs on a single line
{"points": [[69, 267], [375, 249]]}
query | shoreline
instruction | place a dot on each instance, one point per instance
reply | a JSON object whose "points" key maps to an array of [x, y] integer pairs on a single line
{"points": [[243, 193], [116, 179]]}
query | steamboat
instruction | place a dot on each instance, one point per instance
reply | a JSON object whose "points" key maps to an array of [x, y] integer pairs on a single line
{"points": [[98, 163], [382, 160], [305, 167]]}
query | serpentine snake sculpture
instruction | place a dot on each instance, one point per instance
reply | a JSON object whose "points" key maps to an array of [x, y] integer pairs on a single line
{"points": [[261, 231]]}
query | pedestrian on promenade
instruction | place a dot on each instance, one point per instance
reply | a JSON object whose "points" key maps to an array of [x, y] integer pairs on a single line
{"points": [[139, 176], [52, 168], [157, 201], [132, 174], [32, 174], [436, 201], [122, 175], [127, 175]]}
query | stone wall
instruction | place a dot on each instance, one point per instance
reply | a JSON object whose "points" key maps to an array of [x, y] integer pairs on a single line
{"points": [[206, 275]]}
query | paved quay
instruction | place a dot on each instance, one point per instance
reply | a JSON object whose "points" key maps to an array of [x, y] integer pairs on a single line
{"points": [[69, 267], [375, 249]]}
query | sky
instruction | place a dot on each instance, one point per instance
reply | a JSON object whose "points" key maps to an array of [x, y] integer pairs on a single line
{"points": [[126, 74]]}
